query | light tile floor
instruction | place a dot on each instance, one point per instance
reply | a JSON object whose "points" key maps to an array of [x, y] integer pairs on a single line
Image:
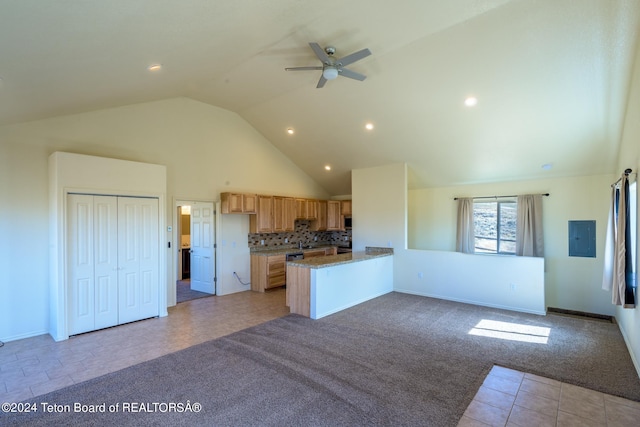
{"points": [[512, 398], [38, 365]]}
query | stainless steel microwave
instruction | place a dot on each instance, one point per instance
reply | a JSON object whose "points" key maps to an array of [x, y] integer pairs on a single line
{"points": [[347, 222]]}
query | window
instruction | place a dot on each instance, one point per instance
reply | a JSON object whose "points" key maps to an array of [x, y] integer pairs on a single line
{"points": [[495, 226]]}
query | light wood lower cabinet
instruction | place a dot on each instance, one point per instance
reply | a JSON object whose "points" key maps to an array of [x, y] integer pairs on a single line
{"points": [[267, 272], [314, 253], [270, 271]]}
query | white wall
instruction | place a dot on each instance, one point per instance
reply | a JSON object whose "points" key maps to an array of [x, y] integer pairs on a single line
{"points": [[629, 319], [206, 150], [572, 283], [379, 200]]}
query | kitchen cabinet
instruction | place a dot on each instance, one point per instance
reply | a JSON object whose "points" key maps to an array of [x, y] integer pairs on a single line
{"points": [[314, 253], [334, 216], [267, 272], [320, 223], [249, 203], [306, 209], [283, 214], [238, 203], [262, 221], [345, 207]]}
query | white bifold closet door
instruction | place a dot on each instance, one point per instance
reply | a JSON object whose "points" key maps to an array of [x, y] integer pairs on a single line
{"points": [[112, 260]]}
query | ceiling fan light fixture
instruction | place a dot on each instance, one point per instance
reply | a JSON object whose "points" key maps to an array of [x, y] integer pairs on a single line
{"points": [[330, 73]]}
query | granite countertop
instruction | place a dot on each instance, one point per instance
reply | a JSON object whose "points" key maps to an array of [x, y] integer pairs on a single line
{"points": [[333, 260], [288, 250]]}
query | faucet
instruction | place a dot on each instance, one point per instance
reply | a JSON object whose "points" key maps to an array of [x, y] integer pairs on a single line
{"points": [[300, 244]]}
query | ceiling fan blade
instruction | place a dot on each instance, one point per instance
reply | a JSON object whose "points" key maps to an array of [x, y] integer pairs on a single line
{"points": [[320, 53], [302, 68], [356, 56], [351, 74], [321, 82]]}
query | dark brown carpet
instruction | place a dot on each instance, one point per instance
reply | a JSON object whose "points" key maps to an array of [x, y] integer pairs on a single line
{"points": [[185, 293], [396, 360]]}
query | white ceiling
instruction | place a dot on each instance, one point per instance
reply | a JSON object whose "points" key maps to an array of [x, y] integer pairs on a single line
{"points": [[551, 77]]}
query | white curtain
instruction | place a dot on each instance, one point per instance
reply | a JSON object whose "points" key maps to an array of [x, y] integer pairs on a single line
{"points": [[617, 257], [465, 236], [529, 239]]}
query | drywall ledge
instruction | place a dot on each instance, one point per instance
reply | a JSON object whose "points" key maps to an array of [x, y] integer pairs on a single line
{"points": [[506, 282]]}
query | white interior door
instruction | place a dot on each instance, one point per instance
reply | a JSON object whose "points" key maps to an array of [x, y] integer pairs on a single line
{"points": [[92, 262], [138, 289], [202, 247]]}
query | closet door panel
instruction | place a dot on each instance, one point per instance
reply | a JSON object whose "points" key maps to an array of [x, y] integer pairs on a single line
{"points": [[138, 258], [106, 261], [80, 263], [149, 241]]}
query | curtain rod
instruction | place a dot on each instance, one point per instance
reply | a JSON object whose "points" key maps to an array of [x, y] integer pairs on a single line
{"points": [[497, 197], [626, 172]]}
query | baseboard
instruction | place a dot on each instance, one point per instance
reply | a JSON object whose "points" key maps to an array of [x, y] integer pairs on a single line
{"points": [[630, 350], [464, 301], [585, 315], [23, 336]]}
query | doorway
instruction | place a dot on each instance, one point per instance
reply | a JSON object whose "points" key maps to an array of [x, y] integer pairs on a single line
{"points": [[195, 259]]}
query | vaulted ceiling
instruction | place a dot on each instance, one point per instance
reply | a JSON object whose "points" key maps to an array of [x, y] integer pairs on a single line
{"points": [[551, 77]]}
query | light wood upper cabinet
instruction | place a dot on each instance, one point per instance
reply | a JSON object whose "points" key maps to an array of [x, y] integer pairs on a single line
{"points": [[231, 203], [289, 214], [312, 209], [333, 215], [283, 214], [345, 206], [277, 214], [238, 203], [301, 208], [320, 223], [262, 221], [306, 209], [249, 203]]}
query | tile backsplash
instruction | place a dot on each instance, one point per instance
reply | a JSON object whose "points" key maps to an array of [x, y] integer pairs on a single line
{"points": [[301, 233]]}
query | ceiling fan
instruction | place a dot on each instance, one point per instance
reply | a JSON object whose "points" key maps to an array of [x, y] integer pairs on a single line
{"points": [[334, 67]]}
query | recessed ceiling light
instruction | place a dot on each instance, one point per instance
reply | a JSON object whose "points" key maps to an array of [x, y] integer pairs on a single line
{"points": [[547, 166], [369, 126], [471, 101], [327, 167], [154, 67], [290, 131]]}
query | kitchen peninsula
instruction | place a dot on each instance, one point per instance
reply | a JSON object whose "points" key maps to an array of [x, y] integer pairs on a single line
{"points": [[318, 287]]}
